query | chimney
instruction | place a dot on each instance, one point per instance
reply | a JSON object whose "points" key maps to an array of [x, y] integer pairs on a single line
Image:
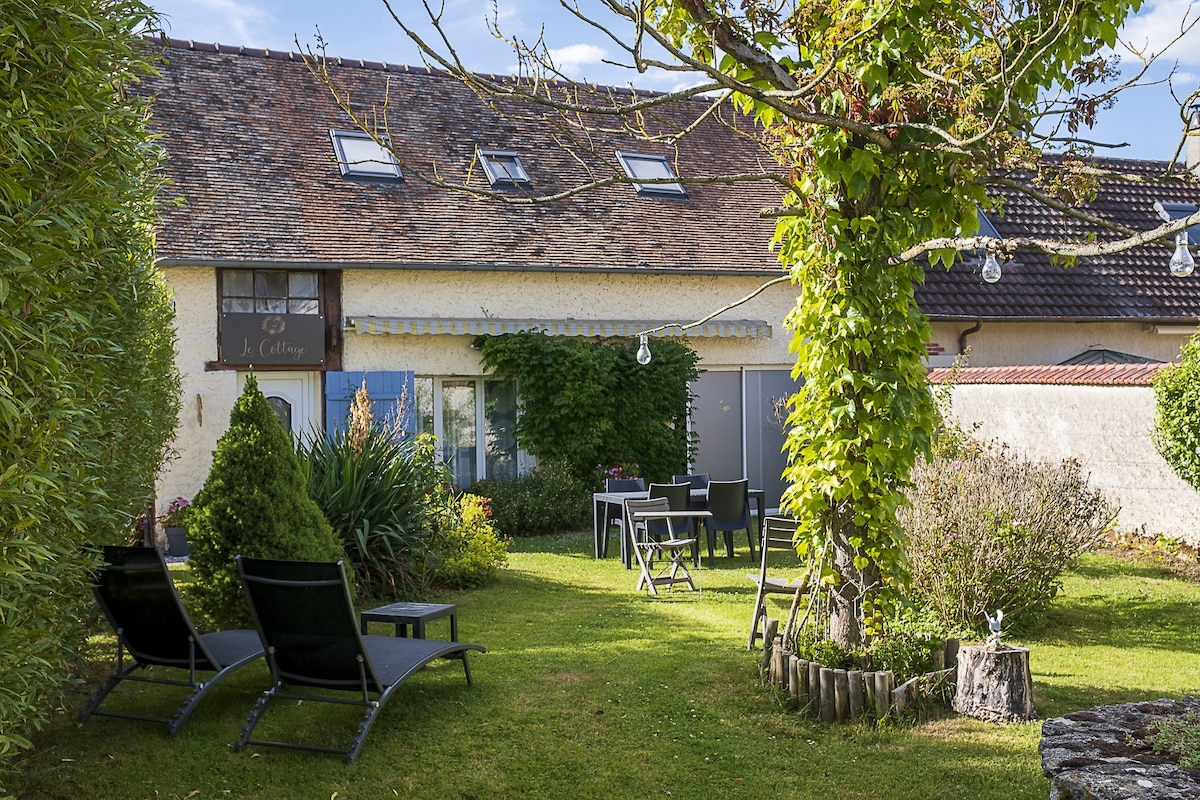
{"points": [[1192, 141]]}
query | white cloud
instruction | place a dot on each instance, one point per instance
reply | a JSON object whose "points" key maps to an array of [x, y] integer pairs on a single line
{"points": [[1160, 22], [574, 57]]}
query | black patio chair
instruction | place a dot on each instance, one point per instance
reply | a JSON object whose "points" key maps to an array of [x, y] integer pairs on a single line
{"points": [[614, 512], [304, 614], [729, 502], [138, 597]]}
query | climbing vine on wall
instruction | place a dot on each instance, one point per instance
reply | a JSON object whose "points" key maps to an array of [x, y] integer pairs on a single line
{"points": [[586, 403]]}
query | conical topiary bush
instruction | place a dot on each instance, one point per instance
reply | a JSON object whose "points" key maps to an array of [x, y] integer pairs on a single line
{"points": [[254, 503]]}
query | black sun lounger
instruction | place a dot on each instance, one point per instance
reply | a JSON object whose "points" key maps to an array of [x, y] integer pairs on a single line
{"points": [[137, 595], [306, 619]]}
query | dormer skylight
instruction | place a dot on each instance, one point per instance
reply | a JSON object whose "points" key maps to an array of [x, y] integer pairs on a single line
{"points": [[640, 167], [986, 228], [503, 168], [360, 156]]}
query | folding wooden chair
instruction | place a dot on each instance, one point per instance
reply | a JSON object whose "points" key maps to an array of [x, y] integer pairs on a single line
{"points": [[779, 533], [640, 516]]}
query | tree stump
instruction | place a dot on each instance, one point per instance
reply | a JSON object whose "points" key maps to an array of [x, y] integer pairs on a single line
{"points": [[995, 684]]}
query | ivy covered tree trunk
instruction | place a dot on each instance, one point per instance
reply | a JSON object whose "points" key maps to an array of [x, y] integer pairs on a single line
{"points": [[888, 119], [864, 413]]}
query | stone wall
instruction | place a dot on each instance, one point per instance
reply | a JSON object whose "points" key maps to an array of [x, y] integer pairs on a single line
{"points": [[1102, 754], [1107, 428]]}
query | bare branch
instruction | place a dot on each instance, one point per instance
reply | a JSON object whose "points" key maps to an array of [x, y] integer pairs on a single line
{"points": [[1009, 246], [762, 288]]}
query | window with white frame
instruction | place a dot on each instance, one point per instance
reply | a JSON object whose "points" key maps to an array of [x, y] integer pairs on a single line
{"points": [[642, 167], [503, 168], [360, 156], [473, 420]]}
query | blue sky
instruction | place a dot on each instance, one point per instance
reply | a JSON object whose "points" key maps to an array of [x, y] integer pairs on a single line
{"points": [[1147, 118]]}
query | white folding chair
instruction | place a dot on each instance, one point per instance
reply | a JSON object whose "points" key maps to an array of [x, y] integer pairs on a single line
{"points": [[647, 546], [778, 534]]}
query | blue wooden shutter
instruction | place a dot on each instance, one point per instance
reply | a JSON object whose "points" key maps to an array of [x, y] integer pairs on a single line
{"points": [[385, 388]]}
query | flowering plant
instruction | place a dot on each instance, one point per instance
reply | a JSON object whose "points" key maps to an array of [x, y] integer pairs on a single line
{"points": [[618, 471], [176, 513]]}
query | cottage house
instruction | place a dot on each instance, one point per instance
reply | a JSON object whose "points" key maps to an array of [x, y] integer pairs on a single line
{"points": [[297, 246]]}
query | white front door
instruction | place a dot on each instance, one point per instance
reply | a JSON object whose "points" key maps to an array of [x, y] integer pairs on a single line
{"points": [[294, 396]]}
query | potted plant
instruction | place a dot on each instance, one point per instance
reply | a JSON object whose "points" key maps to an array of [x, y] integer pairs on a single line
{"points": [[173, 522]]}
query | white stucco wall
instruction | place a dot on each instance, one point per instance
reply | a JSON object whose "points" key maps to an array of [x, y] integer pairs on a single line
{"points": [[208, 396], [1108, 429], [1008, 343], [411, 293]]}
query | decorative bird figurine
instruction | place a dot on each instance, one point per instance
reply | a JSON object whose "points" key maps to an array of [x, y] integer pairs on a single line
{"points": [[994, 627]]}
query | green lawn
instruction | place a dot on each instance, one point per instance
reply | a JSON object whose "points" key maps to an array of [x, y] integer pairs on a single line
{"points": [[591, 690]]}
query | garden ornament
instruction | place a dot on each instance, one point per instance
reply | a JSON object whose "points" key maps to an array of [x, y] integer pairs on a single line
{"points": [[994, 627]]}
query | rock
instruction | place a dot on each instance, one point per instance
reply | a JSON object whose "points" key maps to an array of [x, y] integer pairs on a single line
{"points": [[1102, 754]]}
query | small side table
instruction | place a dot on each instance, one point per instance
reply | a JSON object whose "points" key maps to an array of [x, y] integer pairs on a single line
{"points": [[416, 614]]}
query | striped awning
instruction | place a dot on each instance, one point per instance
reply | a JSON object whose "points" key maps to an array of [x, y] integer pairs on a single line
{"points": [[477, 326]]}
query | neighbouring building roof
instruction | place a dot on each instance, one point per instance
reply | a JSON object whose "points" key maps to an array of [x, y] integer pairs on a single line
{"points": [[251, 157], [1057, 374], [1135, 284]]}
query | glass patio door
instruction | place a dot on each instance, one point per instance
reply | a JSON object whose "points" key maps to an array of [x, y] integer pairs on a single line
{"points": [[473, 420]]}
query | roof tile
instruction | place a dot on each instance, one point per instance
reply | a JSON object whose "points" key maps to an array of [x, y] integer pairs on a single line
{"points": [[1059, 374]]}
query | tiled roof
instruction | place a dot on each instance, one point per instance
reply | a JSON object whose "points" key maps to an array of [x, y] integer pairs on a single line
{"points": [[247, 133], [1059, 374], [1135, 284]]}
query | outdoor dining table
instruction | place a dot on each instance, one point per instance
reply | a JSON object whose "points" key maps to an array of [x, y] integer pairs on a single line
{"points": [[602, 500]]}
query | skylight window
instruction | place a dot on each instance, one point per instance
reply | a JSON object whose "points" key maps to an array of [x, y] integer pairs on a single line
{"points": [[641, 167], [1173, 211], [360, 156], [503, 168]]}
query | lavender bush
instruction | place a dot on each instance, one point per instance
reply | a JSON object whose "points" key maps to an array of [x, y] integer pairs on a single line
{"points": [[990, 530]]}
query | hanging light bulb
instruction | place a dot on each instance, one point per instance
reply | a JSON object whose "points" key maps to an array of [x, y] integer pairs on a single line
{"points": [[643, 353], [991, 268], [1182, 262]]}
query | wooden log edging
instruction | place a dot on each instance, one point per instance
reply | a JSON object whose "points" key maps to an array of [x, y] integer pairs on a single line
{"points": [[838, 695]]}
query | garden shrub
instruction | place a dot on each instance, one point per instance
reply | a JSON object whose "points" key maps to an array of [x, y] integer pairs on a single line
{"points": [[467, 553], [89, 392], [990, 530], [906, 653], [254, 503], [389, 499], [547, 500], [1176, 432]]}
